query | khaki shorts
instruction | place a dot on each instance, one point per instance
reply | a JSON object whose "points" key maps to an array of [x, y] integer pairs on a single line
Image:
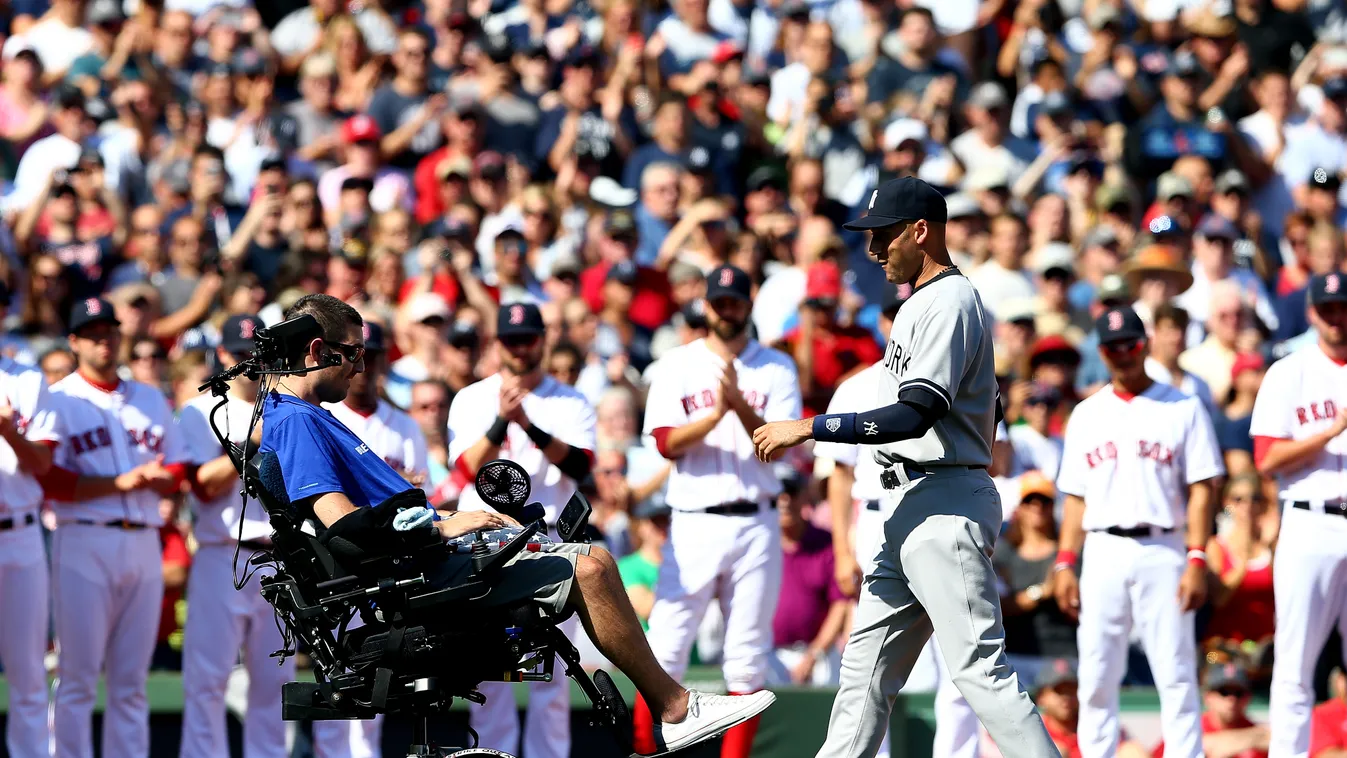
{"points": [[545, 577]]}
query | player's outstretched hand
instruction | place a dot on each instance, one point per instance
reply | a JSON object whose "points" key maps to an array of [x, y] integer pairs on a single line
{"points": [[770, 440], [1066, 588], [1193, 587]]}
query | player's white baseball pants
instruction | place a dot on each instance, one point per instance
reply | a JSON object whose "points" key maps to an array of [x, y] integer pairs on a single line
{"points": [[108, 585], [1309, 577], [736, 559], [1126, 581], [23, 638], [547, 721], [220, 621], [934, 574]]}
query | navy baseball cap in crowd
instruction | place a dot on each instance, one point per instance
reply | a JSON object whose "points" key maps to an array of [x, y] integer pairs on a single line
{"points": [[236, 336], [1322, 178], [899, 200], [1328, 288], [374, 337], [1335, 88], [91, 311], [728, 281], [694, 313], [1119, 325], [894, 297], [1216, 227], [519, 320], [622, 272], [463, 334], [1226, 675], [1056, 672]]}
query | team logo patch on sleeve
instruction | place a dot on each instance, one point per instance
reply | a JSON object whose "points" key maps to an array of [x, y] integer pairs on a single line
{"points": [[833, 424]]}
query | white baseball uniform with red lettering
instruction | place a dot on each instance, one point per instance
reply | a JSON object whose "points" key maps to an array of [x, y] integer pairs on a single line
{"points": [[220, 619], [564, 413], [107, 580], [735, 558], [1299, 398], [395, 437], [23, 566], [1132, 458]]}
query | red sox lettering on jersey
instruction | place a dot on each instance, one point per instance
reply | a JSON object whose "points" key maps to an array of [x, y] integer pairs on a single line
{"points": [[1300, 396], [723, 467], [107, 431], [1132, 458]]}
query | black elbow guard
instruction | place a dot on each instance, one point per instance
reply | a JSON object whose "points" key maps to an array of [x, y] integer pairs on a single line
{"points": [[576, 464]]}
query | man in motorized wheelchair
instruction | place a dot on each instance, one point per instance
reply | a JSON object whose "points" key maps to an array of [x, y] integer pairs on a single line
{"points": [[470, 609]]}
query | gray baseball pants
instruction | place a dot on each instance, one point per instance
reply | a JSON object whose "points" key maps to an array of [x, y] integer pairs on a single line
{"points": [[934, 574]]}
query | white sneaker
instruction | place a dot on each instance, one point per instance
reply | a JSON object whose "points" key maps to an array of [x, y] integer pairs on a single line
{"points": [[708, 716]]}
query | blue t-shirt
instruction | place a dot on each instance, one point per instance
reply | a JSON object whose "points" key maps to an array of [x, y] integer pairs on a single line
{"points": [[318, 454]]}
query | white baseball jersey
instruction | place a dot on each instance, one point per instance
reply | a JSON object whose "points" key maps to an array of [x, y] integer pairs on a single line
{"points": [[1300, 396], [1133, 458], [855, 395], [722, 467], [107, 432], [941, 344], [216, 522], [556, 408], [25, 390], [391, 435]]}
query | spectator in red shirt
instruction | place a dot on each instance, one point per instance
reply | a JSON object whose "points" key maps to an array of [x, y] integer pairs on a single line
{"points": [[1227, 731], [826, 351], [652, 298], [177, 559], [1055, 693], [1328, 722], [462, 127]]}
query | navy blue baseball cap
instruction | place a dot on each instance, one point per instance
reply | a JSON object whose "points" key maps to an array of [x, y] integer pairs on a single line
{"points": [[519, 320], [91, 311], [899, 200], [374, 337], [623, 272], [1217, 227], [728, 281], [1328, 288], [236, 336], [1119, 325]]}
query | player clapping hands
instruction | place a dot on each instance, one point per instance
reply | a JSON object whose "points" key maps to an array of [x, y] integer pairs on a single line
{"points": [[149, 476]]}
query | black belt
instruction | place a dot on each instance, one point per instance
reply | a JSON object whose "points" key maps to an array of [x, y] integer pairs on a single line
{"points": [[888, 478], [1331, 507], [255, 544], [130, 526], [872, 505], [1135, 532], [7, 524], [739, 508]]}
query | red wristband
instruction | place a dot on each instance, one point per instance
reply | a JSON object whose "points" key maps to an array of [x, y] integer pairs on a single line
{"points": [[1198, 556], [1067, 558]]}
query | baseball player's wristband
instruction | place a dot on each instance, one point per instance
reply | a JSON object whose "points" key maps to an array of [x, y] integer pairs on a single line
{"points": [[540, 438], [1197, 555], [1066, 559], [835, 427], [496, 434]]}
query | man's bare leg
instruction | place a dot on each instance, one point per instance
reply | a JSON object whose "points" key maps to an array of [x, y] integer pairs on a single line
{"points": [[601, 602]]}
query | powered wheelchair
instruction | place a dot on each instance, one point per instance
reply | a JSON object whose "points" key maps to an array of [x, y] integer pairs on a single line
{"points": [[419, 647]]}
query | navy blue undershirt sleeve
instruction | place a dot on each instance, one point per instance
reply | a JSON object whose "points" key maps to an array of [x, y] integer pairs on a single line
{"points": [[903, 420]]}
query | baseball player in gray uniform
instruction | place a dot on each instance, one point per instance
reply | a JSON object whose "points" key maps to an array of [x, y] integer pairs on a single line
{"points": [[932, 430]]}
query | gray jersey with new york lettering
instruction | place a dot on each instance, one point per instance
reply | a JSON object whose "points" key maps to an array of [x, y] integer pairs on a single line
{"points": [[941, 345]]}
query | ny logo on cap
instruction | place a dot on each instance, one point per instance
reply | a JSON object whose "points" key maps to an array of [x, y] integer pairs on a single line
{"points": [[93, 306], [1331, 284], [726, 277], [1115, 320], [833, 424], [873, 197], [246, 328], [516, 314], [1320, 175]]}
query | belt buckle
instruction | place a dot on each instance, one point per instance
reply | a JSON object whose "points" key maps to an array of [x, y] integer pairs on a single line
{"points": [[888, 479]]}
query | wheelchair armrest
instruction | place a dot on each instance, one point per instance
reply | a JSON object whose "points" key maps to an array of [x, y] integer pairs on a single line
{"points": [[484, 567]]}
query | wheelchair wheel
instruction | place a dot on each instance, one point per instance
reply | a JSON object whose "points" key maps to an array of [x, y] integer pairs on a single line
{"points": [[479, 752]]}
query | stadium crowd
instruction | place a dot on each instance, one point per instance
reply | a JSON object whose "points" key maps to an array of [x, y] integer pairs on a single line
{"points": [[189, 165]]}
